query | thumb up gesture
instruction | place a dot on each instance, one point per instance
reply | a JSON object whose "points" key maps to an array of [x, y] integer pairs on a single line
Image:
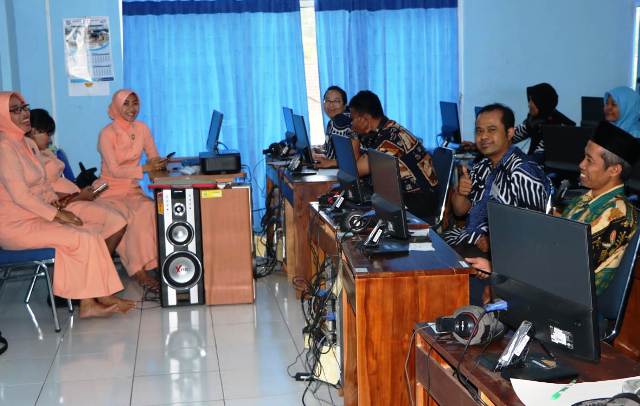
{"points": [[464, 181]]}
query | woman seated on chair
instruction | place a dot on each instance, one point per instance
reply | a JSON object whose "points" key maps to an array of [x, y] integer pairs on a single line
{"points": [[543, 100], [121, 145], [31, 218], [622, 108], [334, 105], [107, 221]]}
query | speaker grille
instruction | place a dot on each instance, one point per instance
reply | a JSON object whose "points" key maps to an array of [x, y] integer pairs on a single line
{"points": [[182, 270], [180, 233]]}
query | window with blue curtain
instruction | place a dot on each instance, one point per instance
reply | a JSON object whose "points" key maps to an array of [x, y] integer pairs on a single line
{"points": [[243, 58], [405, 51]]}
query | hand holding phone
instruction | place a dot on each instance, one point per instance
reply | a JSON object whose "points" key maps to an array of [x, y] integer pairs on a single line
{"points": [[64, 201]]}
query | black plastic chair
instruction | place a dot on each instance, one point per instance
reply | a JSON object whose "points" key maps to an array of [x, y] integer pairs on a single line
{"points": [[613, 301]]}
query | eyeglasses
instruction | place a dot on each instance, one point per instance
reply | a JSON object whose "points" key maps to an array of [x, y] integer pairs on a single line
{"points": [[20, 109], [329, 101]]}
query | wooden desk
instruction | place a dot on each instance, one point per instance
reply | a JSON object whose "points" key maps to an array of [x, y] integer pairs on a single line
{"points": [[173, 176], [380, 307], [322, 233], [298, 192], [436, 385], [227, 239]]}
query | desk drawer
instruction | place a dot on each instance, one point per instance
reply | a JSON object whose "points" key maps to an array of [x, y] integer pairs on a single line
{"points": [[436, 376]]}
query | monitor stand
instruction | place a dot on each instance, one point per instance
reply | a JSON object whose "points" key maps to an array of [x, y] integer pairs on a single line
{"points": [[516, 361], [535, 367], [377, 244]]}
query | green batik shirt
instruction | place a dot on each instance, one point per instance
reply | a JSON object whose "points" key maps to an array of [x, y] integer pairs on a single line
{"points": [[613, 222]]}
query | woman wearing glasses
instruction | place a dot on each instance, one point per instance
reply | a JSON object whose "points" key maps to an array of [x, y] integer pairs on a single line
{"points": [[121, 145], [334, 105], [32, 218]]}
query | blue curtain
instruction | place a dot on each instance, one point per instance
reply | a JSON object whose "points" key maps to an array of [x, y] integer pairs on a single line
{"points": [[243, 58], [405, 51]]}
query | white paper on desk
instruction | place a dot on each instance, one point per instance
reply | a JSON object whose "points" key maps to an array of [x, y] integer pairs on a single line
{"points": [[421, 246], [539, 393], [421, 232]]}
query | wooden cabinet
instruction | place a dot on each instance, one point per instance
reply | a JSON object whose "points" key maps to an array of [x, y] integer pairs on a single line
{"points": [[437, 385], [227, 245]]}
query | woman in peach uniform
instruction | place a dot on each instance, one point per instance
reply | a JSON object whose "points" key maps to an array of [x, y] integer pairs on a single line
{"points": [[121, 145], [108, 222], [30, 219]]}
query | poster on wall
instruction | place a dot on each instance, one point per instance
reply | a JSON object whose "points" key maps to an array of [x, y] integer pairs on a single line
{"points": [[87, 48]]}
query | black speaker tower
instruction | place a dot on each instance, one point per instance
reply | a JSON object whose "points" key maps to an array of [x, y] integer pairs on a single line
{"points": [[180, 247]]}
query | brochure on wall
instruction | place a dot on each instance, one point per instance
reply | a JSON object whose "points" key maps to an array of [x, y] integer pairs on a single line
{"points": [[87, 46]]}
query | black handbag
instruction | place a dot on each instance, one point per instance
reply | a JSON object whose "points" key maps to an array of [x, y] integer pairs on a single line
{"points": [[86, 177]]}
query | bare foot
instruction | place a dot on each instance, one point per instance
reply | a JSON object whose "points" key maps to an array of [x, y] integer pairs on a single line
{"points": [[91, 308], [124, 305], [146, 281]]}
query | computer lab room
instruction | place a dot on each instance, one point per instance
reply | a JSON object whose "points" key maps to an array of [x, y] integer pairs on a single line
{"points": [[319, 202]]}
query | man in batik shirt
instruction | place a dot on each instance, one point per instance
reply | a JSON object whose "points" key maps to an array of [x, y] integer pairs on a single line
{"points": [[418, 177], [608, 159], [607, 163], [505, 174]]}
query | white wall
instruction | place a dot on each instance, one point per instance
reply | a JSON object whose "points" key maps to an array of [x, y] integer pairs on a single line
{"points": [[32, 62], [581, 47]]}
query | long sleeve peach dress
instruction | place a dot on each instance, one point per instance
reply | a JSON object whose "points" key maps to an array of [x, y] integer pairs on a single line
{"points": [[83, 266], [100, 217], [121, 144]]}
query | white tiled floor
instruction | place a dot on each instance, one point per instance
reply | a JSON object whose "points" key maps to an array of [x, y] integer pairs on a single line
{"points": [[199, 355]]}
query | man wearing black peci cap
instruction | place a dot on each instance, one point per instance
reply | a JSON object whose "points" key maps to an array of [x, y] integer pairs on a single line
{"points": [[608, 158]]}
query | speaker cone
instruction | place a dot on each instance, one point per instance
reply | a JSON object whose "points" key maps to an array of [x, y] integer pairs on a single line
{"points": [[180, 233], [182, 270]]}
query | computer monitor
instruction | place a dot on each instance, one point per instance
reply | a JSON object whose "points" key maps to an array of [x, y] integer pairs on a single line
{"points": [[564, 146], [214, 131], [543, 268], [302, 144], [450, 122], [592, 111], [290, 133], [348, 169], [388, 205]]}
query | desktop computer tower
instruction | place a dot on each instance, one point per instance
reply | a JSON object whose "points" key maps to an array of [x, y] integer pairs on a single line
{"points": [[180, 247]]}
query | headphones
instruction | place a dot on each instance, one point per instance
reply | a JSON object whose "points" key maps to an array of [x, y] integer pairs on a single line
{"points": [[277, 149], [471, 324]]}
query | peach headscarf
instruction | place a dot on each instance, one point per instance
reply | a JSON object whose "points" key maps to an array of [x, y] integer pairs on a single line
{"points": [[7, 126], [115, 108]]}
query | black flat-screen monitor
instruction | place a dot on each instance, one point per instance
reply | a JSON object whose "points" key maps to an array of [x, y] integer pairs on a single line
{"points": [[450, 122], [290, 133], [543, 268], [592, 111], [213, 139], [348, 169], [303, 146], [387, 193], [564, 146]]}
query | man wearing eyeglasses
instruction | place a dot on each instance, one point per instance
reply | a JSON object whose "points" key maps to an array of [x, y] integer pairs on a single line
{"points": [[376, 131]]}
